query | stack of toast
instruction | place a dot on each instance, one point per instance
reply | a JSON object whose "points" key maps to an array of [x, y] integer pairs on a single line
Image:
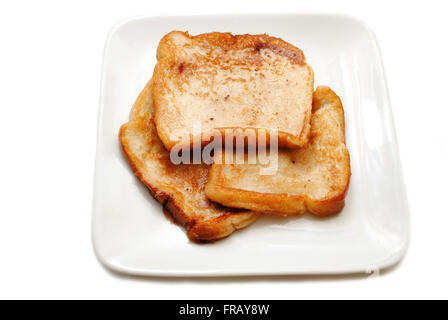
{"points": [[218, 89]]}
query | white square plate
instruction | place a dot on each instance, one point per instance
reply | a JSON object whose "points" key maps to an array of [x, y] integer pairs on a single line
{"points": [[130, 232]]}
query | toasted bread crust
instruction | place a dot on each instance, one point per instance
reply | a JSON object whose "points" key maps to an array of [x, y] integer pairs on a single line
{"points": [[224, 81], [328, 134], [180, 189], [227, 41]]}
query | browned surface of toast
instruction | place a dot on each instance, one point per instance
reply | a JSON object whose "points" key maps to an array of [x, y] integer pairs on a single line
{"points": [[179, 188], [223, 81], [314, 178]]}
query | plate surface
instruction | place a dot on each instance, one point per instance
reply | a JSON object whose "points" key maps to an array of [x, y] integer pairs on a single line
{"points": [[130, 232]]}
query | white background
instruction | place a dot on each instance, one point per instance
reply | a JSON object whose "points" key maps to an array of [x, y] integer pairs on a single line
{"points": [[50, 65]]}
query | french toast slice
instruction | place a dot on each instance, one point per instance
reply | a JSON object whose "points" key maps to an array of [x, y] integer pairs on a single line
{"points": [[216, 81], [179, 188], [314, 178]]}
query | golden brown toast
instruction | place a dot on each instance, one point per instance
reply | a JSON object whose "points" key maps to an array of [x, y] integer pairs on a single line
{"points": [[216, 81], [314, 178], [179, 188]]}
